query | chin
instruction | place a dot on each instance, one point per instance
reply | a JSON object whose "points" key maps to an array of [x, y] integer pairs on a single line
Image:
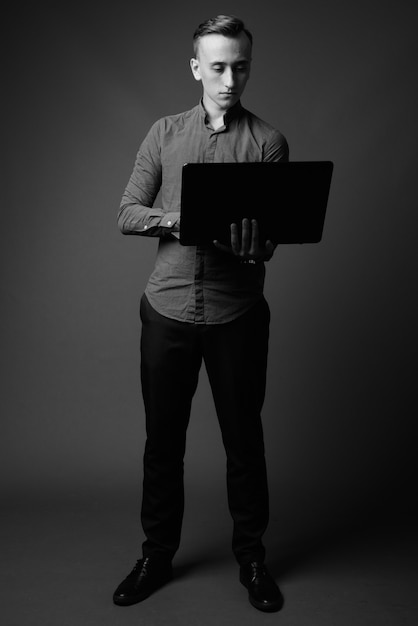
{"points": [[228, 104]]}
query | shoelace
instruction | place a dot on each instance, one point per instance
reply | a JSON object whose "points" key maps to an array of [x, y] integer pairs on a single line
{"points": [[257, 571], [141, 567]]}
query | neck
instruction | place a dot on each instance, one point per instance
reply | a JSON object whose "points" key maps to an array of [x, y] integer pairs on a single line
{"points": [[214, 113], [217, 122]]}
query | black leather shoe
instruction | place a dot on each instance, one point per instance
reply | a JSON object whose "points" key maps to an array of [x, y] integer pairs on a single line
{"points": [[147, 576], [263, 593]]}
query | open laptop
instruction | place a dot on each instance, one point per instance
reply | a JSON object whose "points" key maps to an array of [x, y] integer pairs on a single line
{"points": [[289, 200]]}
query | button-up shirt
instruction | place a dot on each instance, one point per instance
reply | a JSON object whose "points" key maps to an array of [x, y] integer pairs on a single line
{"points": [[197, 284]]}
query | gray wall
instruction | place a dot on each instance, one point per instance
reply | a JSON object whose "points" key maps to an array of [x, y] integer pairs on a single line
{"points": [[339, 80]]}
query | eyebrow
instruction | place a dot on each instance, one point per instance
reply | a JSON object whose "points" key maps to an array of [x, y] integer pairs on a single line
{"points": [[239, 62]]}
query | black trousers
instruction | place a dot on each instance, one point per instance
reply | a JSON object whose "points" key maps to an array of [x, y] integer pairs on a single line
{"points": [[235, 356]]}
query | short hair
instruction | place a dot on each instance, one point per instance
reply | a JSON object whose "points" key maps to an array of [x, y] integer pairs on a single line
{"points": [[227, 25]]}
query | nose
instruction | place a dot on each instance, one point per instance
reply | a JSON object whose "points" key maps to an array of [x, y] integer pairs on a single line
{"points": [[229, 78]]}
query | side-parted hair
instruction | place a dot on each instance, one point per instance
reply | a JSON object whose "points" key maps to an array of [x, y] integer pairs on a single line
{"points": [[226, 25]]}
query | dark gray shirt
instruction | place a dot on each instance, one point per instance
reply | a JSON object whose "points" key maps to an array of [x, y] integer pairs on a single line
{"points": [[191, 283]]}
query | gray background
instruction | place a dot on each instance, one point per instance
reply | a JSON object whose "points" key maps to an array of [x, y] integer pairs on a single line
{"points": [[86, 82]]}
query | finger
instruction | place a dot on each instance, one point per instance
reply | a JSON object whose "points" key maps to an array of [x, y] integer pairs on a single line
{"points": [[254, 250], [221, 246], [269, 249], [234, 239], [246, 236]]}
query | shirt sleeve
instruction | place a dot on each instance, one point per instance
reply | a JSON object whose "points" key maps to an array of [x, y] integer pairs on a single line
{"points": [[136, 215], [277, 148]]}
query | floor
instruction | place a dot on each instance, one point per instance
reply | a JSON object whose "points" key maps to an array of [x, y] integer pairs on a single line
{"points": [[63, 557]]}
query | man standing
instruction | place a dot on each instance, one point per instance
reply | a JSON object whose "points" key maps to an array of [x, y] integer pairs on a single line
{"points": [[203, 303]]}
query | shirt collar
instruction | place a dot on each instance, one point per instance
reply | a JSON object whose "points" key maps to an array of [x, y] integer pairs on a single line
{"points": [[232, 113]]}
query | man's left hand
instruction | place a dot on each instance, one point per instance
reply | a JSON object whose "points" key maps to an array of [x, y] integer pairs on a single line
{"points": [[249, 250]]}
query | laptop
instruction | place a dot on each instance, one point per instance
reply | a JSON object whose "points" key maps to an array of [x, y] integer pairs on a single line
{"points": [[289, 200]]}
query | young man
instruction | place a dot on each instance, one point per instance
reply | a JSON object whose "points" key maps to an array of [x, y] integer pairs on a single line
{"points": [[203, 303]]}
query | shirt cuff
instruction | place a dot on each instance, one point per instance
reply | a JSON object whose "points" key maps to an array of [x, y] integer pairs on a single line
{"points": [[169, 219]]}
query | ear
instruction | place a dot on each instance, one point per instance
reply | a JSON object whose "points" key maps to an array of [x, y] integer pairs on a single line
{"points": [[194, 65]]}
